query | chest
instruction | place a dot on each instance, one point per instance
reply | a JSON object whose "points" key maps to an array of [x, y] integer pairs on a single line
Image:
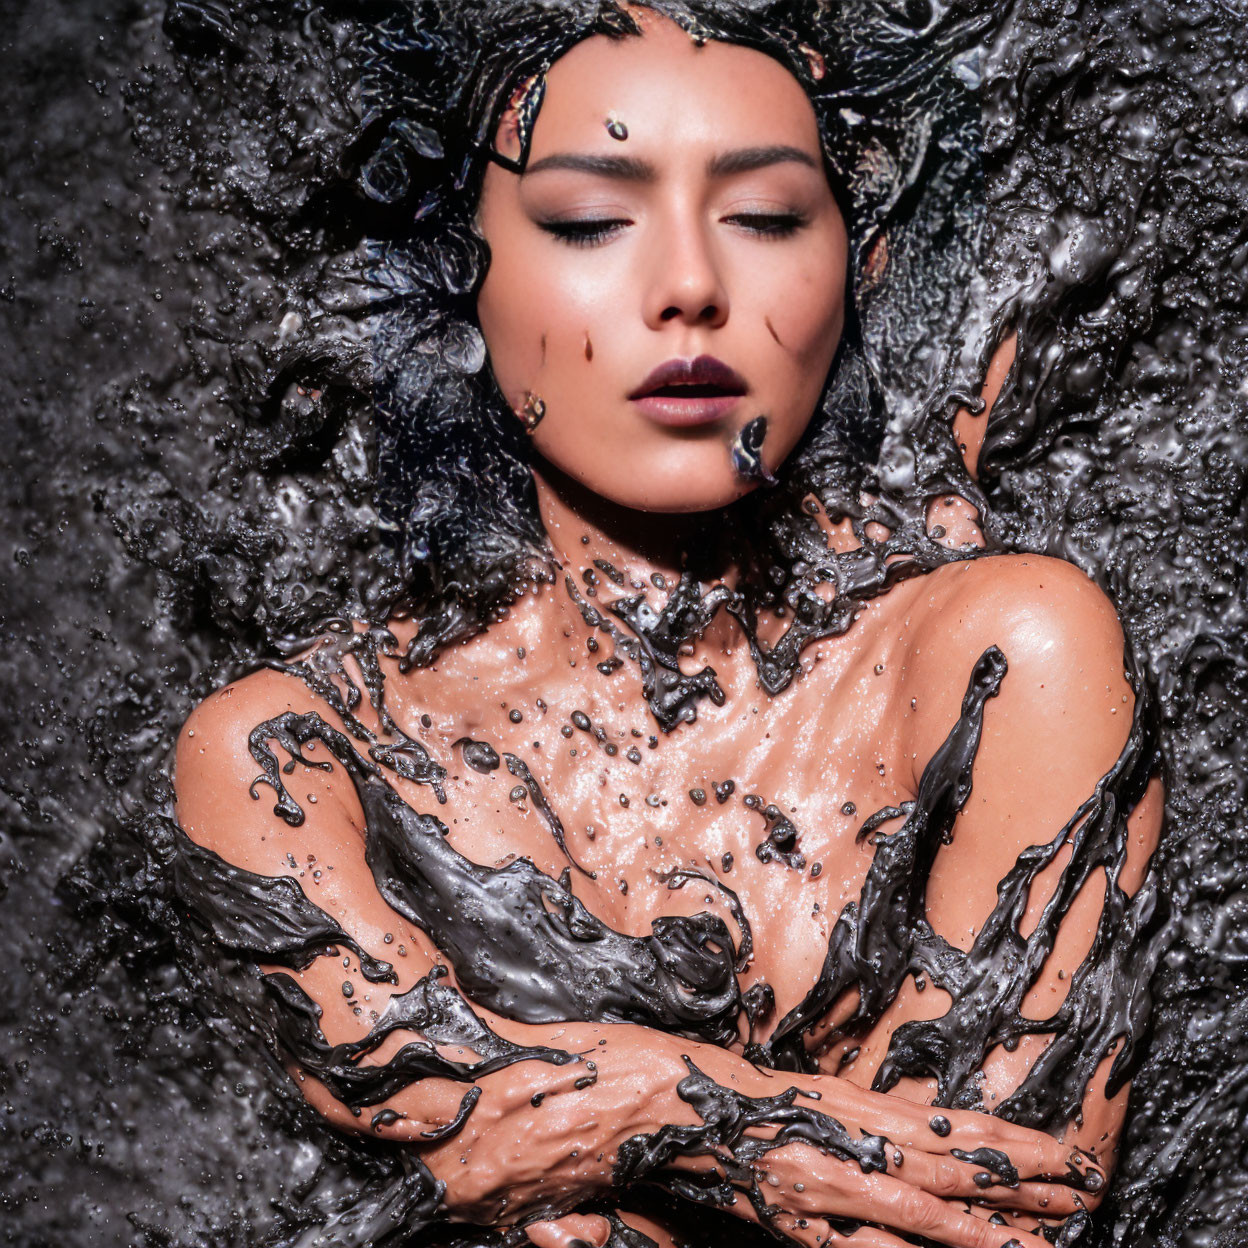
{"points": [[749, 812]]}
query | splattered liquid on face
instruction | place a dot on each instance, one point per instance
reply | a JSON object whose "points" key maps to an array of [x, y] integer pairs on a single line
{"points": [[746, 452]]}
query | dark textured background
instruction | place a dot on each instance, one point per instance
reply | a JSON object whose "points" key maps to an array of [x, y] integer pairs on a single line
{"points": [[120, 1121]]}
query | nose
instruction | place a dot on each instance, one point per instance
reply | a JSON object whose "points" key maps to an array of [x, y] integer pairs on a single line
{"points": [[687, 283]]}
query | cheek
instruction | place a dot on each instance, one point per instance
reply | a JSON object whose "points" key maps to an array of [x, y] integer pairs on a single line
{"points": [[803, 307], [540, 315], [806, 317], [512, 340], [807, 311]]}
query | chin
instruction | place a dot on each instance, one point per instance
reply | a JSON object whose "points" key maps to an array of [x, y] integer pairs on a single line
{"points": [[681, 479], [681, 493]]}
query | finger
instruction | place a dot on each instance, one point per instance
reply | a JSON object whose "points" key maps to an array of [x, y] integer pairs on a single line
{"points": [[868, 1237], [1016, 1221], [566, 1232], [804, 1228], [1034, 1154], [810, 1231], [904, 1208], [934, 1130], [1046, 1200], [1025, 1226], [940, 1174], [950, 1178], [895, 1204], [818, 1233]]}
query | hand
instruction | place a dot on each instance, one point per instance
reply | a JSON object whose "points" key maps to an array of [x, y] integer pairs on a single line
{"points": [[927, 1194], [928, 1189], [570, 1231]]}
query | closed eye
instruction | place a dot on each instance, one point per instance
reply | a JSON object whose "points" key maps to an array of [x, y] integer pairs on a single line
{"points": [[769, 224], [585, 232]]}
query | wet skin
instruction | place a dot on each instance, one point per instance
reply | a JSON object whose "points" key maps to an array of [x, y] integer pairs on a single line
{"points": [[722, 236], [851, 736]]}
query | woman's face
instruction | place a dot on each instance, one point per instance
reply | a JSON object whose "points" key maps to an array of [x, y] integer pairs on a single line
{"points": [[674, 208]]}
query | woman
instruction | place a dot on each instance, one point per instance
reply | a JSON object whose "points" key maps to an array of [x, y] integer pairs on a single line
{"points": [[575, 894]]}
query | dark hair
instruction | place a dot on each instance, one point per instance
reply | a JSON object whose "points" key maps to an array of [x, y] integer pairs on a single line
{"points": [[898, 115]]}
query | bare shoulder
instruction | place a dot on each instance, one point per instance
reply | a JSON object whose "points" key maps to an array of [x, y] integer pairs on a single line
{"points": [[215, 740], [1058, 632], [217, 731], [214, 768], [1034, 603]]}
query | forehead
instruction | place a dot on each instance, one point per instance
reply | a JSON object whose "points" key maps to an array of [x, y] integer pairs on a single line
{"points": [[671, 96]]}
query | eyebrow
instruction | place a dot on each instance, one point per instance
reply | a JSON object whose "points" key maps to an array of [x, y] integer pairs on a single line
{"points": [[747, 159], [632, 169]]}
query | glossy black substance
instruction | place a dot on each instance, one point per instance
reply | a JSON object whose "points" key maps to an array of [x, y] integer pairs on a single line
{"points": [[780, 844], [437, 1012], [326, 674], [746, 452], [255, 914], [652, 639], [726, 1116], [521, 943], [480, 756], [873, 942], [190, 423], [1108, 1000]]}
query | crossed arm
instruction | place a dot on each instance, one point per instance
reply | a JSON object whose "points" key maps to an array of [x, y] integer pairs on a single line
{"points": [[541, 1137], [1059, 723]]}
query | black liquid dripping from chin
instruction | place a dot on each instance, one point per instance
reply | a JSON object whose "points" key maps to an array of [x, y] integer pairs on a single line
{"points": [[746, 453]]}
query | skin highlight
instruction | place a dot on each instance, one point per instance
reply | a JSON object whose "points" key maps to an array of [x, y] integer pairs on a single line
{"points": [[678, 275], [709, 230]]}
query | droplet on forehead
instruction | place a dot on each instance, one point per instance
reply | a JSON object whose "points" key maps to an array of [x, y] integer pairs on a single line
{"points": [[616, 128]]}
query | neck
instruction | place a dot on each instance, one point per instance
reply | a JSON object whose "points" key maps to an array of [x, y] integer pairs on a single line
{"points": [[583, 527]]}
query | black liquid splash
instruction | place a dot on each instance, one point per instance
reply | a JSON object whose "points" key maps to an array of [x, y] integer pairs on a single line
{"points": [[747, 452], [522, 945]]}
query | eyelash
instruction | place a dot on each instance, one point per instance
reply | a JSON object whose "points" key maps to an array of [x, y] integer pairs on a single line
{"points": [[581, 233], [591, 232], [771, 224]]}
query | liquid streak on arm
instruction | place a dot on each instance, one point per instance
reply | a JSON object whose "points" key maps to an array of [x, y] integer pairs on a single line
{"points": [[553, 1112]]}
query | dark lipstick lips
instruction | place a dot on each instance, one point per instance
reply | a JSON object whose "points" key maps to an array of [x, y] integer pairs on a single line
{"points": [[705, 370]]}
